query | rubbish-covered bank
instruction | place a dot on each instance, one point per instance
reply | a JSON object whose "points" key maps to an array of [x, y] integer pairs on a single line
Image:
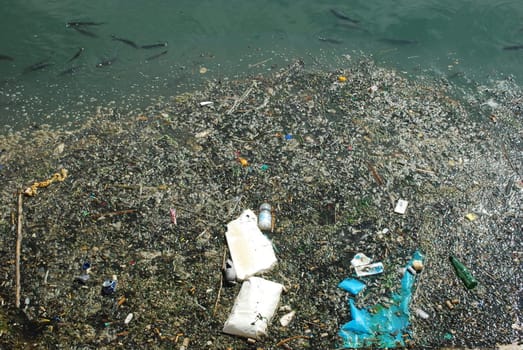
{"points": [[114, 233]]}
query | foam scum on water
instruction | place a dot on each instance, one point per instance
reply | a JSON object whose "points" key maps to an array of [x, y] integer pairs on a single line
{"points": [[332, 156]]}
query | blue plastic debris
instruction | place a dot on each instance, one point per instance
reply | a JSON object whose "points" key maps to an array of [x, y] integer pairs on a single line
{"points": [[351, 285], [108, 287], [384, 327]]}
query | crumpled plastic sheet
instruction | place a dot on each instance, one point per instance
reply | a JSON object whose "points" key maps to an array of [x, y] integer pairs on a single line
{"points": [[385, 327]]}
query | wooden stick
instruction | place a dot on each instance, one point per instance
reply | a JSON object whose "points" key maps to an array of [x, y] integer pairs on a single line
{"points": [[221, 284], [375, 174], [281, 342], [18, 250], [113, 213]]}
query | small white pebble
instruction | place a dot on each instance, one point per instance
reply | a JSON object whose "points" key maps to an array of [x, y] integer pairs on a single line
{"points": [[128, 318]]}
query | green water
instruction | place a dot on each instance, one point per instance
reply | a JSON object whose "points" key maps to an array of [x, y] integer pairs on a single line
{"points": [[460, 40]]}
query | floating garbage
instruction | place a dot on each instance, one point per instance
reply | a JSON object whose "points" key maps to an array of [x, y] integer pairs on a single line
{"points": [[253, 308], [384, 327], [251, 251], [360, 259], [108, 287], [463, 273], [265, 217], [352, 286], [128, 318], [367, 270], [471, 216], [421, 314], [172, 214], [286, 319], [401, 206], [229, 273], [61, 176]]}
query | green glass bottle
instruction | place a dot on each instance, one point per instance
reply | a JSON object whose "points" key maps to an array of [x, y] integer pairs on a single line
{"points": [[463, 273]]}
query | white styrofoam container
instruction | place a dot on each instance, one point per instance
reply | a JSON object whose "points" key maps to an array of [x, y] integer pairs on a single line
{"points": [[251, 251], [253, 308]]}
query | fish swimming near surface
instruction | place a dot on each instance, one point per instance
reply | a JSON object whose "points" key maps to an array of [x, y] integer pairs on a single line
{"points": [[6, 58], [398, 41], [106, 62], [343, 16], [70, 71], [513, 47], [80, 24], [77, 54], [330, 40], [125, 41], [153, 46], [37, 66], [84, 32], [156, 56]]}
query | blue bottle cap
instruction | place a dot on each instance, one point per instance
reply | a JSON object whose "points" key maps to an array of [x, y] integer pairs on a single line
{"points": [[108, 287]]}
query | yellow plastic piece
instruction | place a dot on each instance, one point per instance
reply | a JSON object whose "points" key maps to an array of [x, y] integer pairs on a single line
{"points": [[61, 176], [342, 79], [471, 216], [243, 161]]}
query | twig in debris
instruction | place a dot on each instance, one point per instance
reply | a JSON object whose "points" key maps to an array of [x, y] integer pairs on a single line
{"points": [[375, 174], [139, 187], [260, 63], [221, 284], [281, 342], [18, 249], [510, 164], [425, 171], [114, 213], [241, 99]]}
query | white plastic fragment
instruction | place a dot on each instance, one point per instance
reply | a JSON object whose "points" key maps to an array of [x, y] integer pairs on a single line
{"points": [[360, 259], [251, 251], [367, 270], [253, 308], [206, 103], [287, 318], [422, 314], [128, 318], [185, 344], [401, 206]]}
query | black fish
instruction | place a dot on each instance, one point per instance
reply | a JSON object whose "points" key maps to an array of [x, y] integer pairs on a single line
{"points": [[156, 56], [398, 41], [125, 41], [152, 46], [37, 66], [513, 47], [71, 70], [78, 24], [85, 32], [77, 54], [6, 58], [107, 62], [343, 16], [330, 40]]}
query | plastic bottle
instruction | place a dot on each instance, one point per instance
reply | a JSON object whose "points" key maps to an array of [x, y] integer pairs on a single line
{"points": [[463, 273], [265, 217]]}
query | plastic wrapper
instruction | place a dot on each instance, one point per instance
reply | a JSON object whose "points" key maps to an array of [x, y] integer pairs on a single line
{"points": [[251, 251], [253, 308]]}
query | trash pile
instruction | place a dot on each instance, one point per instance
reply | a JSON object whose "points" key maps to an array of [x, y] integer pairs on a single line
{"points": [[366, 184]]}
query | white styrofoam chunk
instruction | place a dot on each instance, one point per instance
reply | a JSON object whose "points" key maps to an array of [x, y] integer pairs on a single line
{"points": [[401, 206], [251, 251], [253, 308]]}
